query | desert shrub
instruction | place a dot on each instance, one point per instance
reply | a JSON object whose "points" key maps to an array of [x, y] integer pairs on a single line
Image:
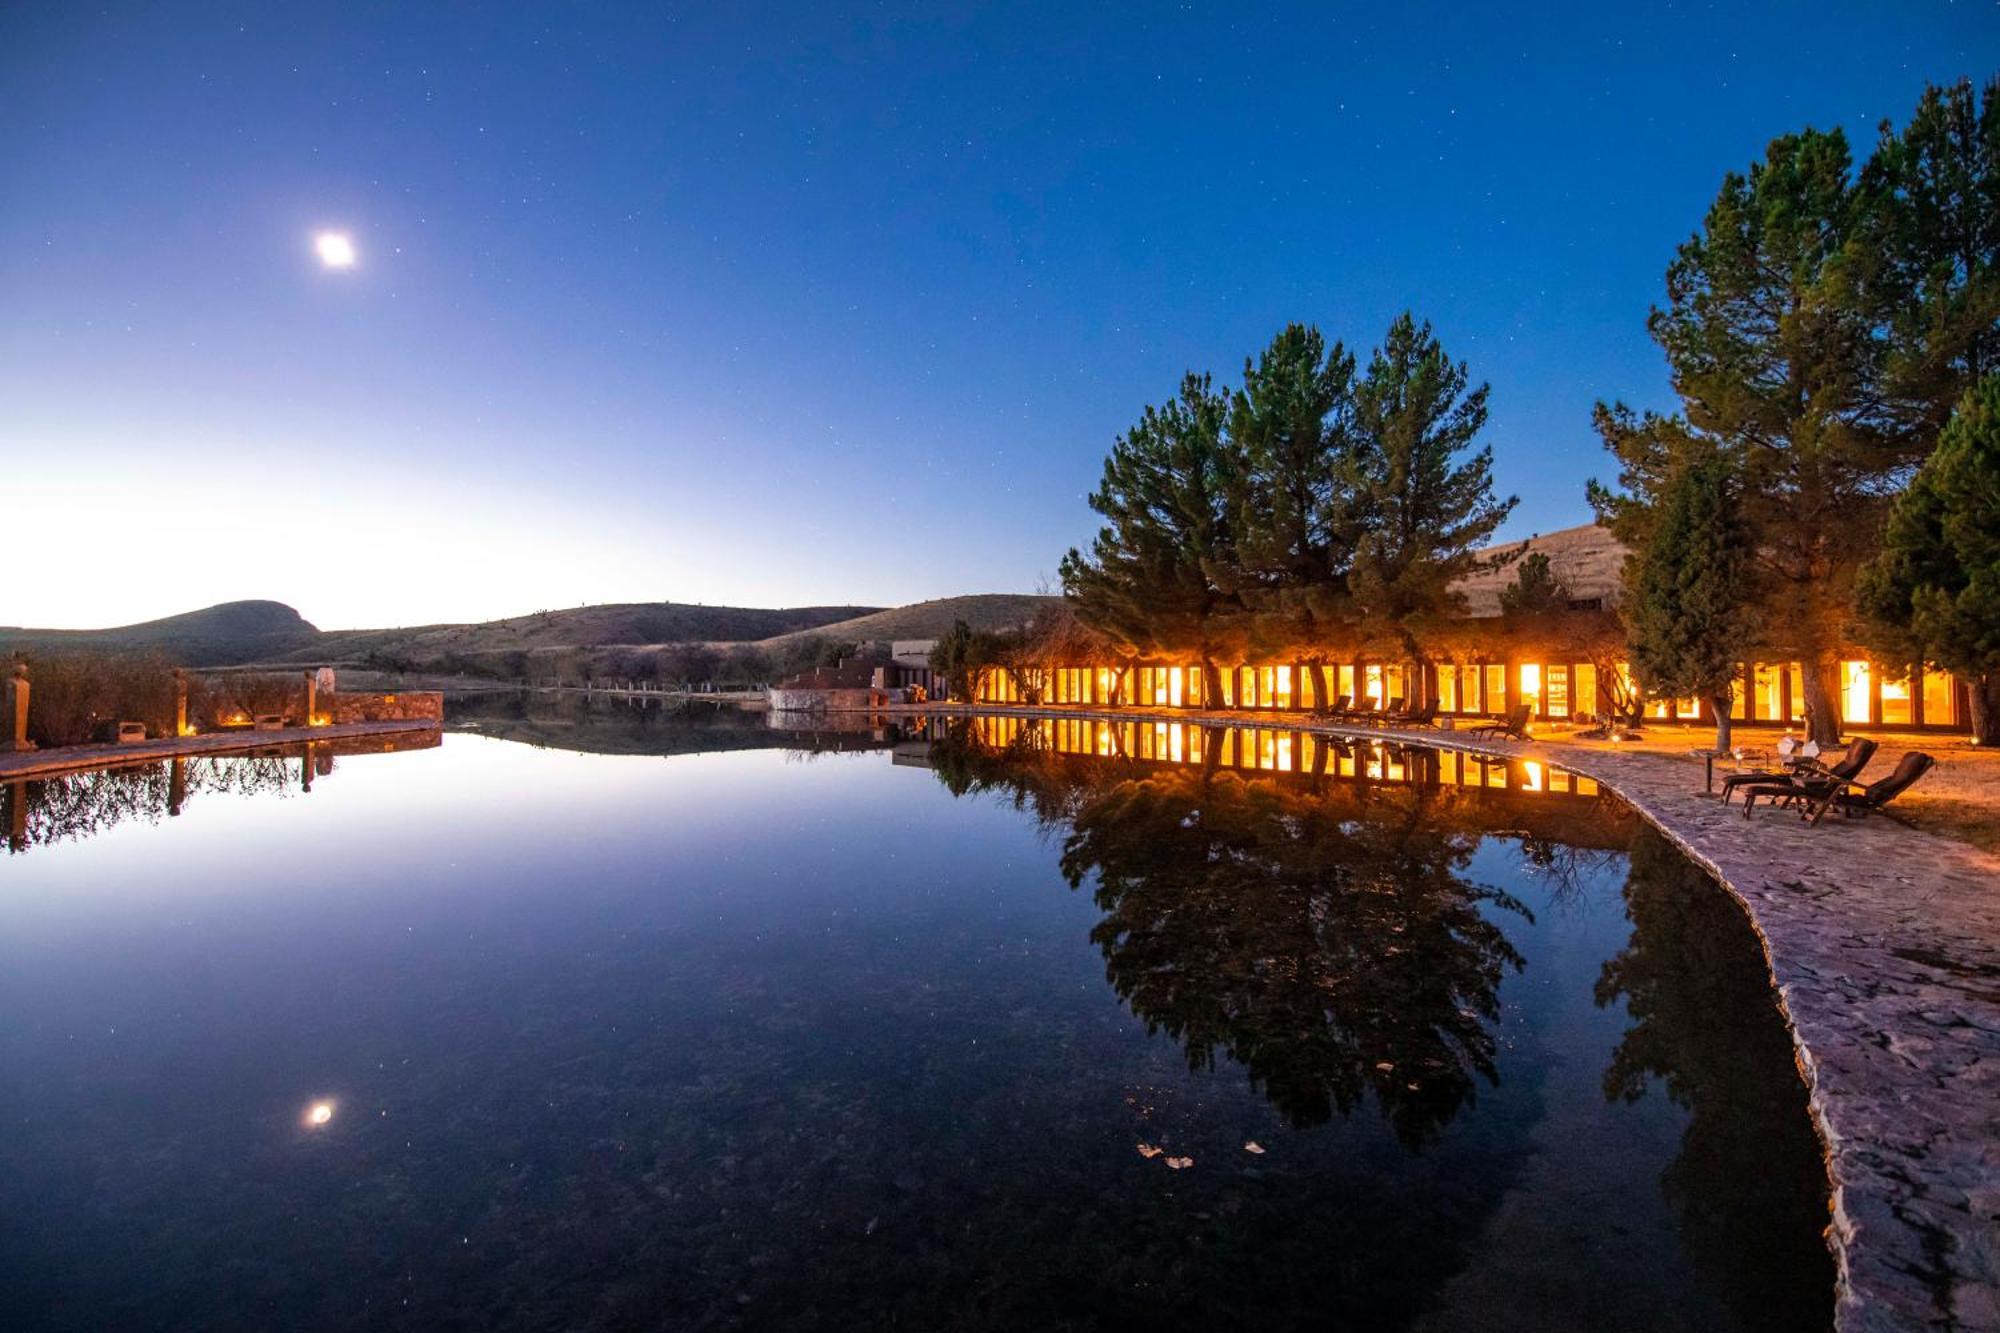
{"points": [[72, 694], [233, 697]]}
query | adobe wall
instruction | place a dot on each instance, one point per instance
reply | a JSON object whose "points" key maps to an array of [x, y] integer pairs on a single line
{"points": [[402, 706]]}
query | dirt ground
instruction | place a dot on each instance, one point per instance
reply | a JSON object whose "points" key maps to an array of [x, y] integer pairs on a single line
{"points": [[1960, 798]]}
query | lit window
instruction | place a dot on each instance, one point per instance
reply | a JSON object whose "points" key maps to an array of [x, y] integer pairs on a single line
{"points": [[1896, 702], [1855, 680], [1555, 701], [1531, 685], [1940, 700], [1496, 689], [1448, 689], [1586, 689]]}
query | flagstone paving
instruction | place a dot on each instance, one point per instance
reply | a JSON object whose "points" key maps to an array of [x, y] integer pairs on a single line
{"points": [[1884, 944]]}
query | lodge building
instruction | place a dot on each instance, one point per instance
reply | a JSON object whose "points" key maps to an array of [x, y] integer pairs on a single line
{"points": [[1500, 673]]}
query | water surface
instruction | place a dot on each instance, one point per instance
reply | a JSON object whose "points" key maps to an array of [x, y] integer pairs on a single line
{"points": [[992, 1027]]}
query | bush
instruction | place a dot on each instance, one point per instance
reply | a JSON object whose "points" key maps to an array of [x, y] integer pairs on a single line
{"points": [[73, 694]]}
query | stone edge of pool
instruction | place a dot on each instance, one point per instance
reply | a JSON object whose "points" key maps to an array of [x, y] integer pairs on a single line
{"points": [[27, 765], [1883, 946]]}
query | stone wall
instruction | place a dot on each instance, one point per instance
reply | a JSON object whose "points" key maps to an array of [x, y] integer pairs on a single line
{"points": [[836, 700], [402, 706]]}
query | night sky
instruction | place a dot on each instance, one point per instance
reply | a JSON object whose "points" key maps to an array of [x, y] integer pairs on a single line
{"points": [[770, 305]]}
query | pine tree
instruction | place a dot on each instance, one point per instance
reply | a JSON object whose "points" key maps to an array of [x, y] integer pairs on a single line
{"points": [[1686, 593], [1420, 512], [1932, 596], [1535, 590], [1156, 576], [1776, 357], [1928, 253], [1290, 508]]}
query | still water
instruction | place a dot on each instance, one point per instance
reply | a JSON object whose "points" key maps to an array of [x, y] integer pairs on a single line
{"points": [[593, 1017]]}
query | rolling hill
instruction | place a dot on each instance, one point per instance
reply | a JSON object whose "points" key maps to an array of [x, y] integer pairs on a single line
{"points": [[223, 635], [235, 633]]}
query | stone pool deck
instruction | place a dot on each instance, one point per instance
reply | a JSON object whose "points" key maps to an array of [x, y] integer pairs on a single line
{"points": [[18, 767], [1884, 945]]}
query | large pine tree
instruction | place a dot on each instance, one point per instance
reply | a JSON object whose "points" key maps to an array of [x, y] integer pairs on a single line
{"points": [[1686, 593], [1291, 510], [1932, 596], [1156, 578], [1422, 497]]}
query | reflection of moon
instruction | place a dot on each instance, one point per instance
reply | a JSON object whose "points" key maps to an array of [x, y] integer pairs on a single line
{"points": [[335, 250]]}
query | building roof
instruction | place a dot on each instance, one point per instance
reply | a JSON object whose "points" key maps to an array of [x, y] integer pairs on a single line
{"points": [[1588, 560]]}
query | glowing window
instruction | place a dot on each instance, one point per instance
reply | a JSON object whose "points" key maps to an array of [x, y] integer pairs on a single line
{"points": [[1687, 709], [1448, 689], [1856, 678], [1281, 679], [1767, 701], [1346, 683], [1531, 685], [1798, 680], [1496, 689], [1940, 700], [1372, 675], [1555, 698], [1586, 689], [1896, 702], [1176, 685]]}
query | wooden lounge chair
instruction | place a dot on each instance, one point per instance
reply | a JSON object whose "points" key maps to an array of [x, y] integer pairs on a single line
{"points": [[1875, 795], [1339, 709], [1514, 725], [1859, 751]]}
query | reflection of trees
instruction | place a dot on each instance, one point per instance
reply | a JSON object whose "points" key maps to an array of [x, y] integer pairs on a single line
{"points": [[1327, 942], [82, 805], [1748, 1181]]}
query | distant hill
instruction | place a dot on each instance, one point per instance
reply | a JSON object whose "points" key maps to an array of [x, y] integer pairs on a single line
{"points": [[928, 620], [615, 624], [273, 633], [221, 635]]}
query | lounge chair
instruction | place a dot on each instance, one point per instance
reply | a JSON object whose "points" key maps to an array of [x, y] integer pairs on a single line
{"points": [[1415, 717], [1875, 795], [1514, 725], [1339, 709], [1859, 751]]}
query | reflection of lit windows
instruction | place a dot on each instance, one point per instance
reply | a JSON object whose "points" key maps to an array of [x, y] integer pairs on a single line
{"points": [[1531, 776], [1855, 681]]}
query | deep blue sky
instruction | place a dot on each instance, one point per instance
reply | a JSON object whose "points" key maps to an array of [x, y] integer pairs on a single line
{"points": [[778, 305]]}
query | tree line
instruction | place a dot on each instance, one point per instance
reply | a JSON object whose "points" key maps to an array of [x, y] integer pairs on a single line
{"points": [[1831, 476], [1321, 503]]}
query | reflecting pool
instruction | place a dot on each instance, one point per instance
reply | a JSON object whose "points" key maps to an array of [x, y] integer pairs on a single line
{"points": [[598, 1015]]}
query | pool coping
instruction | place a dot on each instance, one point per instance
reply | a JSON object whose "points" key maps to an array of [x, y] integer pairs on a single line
{"points": [[21, 766], [1886, 968]]}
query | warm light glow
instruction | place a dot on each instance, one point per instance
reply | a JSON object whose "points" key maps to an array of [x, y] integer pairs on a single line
{"points": [[335, 249], [319, 1113]]}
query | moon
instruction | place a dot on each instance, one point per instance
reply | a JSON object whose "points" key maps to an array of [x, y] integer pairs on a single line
{"points": [[335, 249]]}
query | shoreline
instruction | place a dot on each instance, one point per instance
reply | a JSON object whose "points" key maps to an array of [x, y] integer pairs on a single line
{"points": [[1883, 947]]}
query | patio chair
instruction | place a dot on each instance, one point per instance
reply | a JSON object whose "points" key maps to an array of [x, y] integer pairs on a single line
{"points": [[1514, 725], [1338, 709], [1859, 751], [1875, 795], [1416, 717]]}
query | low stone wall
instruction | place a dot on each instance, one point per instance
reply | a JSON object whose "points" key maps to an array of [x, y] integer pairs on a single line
{"points": [[832, 701], [403, 706]]}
